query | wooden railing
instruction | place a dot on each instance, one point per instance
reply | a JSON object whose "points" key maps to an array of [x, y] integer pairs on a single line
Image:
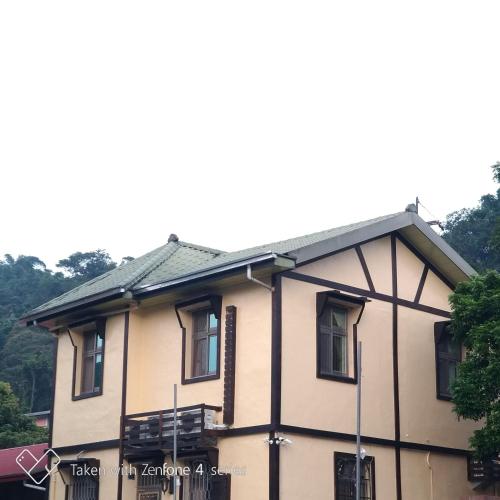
{"points": [[152, 431]]}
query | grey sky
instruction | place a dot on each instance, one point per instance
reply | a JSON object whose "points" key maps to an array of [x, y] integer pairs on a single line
{"points": [[237, 123]]}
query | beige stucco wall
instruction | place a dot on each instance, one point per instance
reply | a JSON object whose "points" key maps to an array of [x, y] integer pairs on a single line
{"points": [[155, 356], [435, 292], [343, 267], [250, 455], [96, 418], [377, 255], [409, 268], [307, 471], [108, 482], [326, 404], [307, 468], [448, 474], [424, 418]]}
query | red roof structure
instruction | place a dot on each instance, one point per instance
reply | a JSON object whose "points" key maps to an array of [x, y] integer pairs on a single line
{"points": [[11, 471]]}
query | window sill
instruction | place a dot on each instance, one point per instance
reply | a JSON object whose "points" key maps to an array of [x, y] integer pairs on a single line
{"points": [[443, 397], [338, 378], [86, 395], [202, 378]]}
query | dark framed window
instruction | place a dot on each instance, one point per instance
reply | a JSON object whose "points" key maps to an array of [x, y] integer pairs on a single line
{"points": [[84, 488], [345, 477], [333, 340], [92, 362], [88, 341], [200, 322], [205, 343], [448, 357]]}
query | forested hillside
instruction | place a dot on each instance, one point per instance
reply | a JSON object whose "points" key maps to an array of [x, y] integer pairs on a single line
{"points": [[26, 353]]}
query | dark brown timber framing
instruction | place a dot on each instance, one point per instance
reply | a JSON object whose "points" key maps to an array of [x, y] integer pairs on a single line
{"points": [[395, 365], [421, 284], [229, 365], [305, 431], [367, 293], [124, 403], [274, 451], [93, 446], [362, 261], [55, 349], [417, 254]]}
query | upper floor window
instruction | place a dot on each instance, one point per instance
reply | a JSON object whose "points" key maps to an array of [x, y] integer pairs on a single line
{"points": [[92, 363], [448, 356], [199, 319], [345, 477], [333, 340], [338, 315], [88, 341], [205, 343]]}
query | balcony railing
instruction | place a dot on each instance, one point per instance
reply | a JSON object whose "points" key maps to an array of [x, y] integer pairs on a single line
{"points": [[153, 431]]}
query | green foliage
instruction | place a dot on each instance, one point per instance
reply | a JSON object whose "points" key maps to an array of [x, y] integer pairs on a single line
{"points": [[471, 232], [84, 266], [29, 369], [15, 428], [475, 232], [476, 391], [25, 283], [26, 353], [496, 171]]}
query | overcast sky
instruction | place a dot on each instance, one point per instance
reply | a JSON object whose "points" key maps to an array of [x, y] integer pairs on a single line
{"points": [[236, 123]]}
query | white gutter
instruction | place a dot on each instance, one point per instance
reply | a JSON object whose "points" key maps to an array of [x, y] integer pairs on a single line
{"points": [[255, 280]]}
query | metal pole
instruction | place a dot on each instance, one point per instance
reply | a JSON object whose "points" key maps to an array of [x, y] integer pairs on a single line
{"points": [[175, 442], [358, 425]]}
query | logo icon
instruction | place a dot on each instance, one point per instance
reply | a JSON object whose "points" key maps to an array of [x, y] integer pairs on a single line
{"points": [[28, 463]]}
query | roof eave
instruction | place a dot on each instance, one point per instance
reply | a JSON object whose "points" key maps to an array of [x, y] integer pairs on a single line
{"points": [[281, 261], [459, 269], [91, 300]]}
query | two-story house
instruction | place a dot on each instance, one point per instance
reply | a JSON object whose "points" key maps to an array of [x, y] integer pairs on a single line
{"points": [[261, 344]]}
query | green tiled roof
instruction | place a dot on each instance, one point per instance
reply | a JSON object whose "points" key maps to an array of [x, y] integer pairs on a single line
{"points": [[177, 259]]}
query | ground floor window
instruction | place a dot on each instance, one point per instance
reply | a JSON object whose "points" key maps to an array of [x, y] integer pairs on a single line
{"points": [[84, 488], [149, 482], [204, 484], [345, 477]]}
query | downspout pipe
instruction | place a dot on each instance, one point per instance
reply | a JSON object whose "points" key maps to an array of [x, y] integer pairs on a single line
{"points": [[255, 280], [431, 474]]}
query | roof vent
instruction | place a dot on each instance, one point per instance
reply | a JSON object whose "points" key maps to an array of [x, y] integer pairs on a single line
{"points": [[411, 208], [173, 237]]}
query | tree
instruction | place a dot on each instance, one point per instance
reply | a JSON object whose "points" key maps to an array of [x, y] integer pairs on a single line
{"points": [[496, 171], [26, 353], [475, 232], [84, 266], [476, 390], [16, 429], [25, 283], [27, 366]]}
